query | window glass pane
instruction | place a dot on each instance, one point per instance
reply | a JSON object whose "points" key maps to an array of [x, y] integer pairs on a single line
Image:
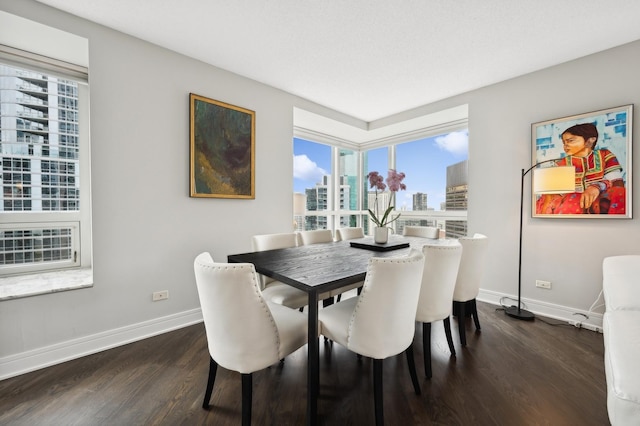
{"points": [[436, 179], [312, 177], [40, 159], [348, 173], [39, 136], [374, 160]]}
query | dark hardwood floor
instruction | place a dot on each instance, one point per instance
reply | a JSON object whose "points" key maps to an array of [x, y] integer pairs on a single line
{"points": [[511, 373]]}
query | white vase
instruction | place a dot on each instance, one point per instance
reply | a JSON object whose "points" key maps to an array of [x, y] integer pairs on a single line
{"points": [[380, 234]]}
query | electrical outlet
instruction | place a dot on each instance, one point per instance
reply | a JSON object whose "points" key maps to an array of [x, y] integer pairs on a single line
{"points": [[160, 295], [543, 284]]}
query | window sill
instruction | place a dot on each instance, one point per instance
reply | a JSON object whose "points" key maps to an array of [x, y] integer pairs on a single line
{"points": [[18, 286]]}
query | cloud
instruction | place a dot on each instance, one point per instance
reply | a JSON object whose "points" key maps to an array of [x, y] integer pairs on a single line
{"points": [[454, 142], [305, 169]]}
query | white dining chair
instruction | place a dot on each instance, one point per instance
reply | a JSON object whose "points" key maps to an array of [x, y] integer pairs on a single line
{"points": [[472, 266], [315, 237], [318, 236], [273, 290], [245, 333], [441, 265], [277, 291], [381, 321], [421, 231], [343, 234]]}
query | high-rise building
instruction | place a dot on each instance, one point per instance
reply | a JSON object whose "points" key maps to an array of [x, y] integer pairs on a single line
{"points": [[419, 201], [39, 144], [318, 200], [456, 199], [419, 204]]}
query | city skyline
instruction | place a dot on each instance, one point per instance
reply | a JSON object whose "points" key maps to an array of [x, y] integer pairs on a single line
{"points": [[423, 161]]}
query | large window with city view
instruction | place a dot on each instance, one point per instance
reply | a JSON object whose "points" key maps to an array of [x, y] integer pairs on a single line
{"points": [[40, 141], [331, 189]]}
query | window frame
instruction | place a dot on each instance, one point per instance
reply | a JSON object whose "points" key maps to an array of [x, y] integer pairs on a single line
{"points": [[334, 214], [79, 221]]}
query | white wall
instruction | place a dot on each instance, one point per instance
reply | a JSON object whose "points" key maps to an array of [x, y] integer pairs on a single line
{"points": [[147, 229]]}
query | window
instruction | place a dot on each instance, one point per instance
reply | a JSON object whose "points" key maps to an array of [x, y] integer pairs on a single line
{"points": [[348, 200], [436, 170], [44, 209], [313, 179]]}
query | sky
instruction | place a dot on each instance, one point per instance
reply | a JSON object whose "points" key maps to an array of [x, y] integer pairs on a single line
{"points": [[423, 161]]}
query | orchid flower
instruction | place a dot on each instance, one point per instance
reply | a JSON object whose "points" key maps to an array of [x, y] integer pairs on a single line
{"points": [[394, 182]]}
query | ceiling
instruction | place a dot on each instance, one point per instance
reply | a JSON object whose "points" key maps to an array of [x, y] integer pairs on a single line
{"points": [[371, 59]]}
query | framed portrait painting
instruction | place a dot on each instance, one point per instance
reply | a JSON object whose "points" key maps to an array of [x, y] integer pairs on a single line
{"points": [[222, 149], [598, 145]]}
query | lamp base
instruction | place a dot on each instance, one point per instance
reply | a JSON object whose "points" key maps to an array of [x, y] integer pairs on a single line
{"points": [[522, 314]]}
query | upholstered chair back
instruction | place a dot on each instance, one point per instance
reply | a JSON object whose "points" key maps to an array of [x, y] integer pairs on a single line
{"points": [[272, 242], [241, 332], [421, 231], [383, 321], [472, 266], [315, 237], [441, 265], [343, 234]]}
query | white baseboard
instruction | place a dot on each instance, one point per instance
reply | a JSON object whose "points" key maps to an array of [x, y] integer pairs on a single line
{"points": [[25, 362], [579, 318]]}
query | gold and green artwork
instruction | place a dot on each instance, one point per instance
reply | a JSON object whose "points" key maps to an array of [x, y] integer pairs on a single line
{"points": [[222, 138]]}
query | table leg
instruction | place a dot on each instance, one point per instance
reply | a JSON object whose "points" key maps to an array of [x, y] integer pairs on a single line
{"points": [[313, 353]]}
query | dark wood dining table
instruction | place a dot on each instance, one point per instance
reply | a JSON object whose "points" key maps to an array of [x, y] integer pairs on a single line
{"points": [[318, 268]]}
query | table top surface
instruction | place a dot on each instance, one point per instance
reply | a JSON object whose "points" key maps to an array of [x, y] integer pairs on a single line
{"points": [[326, 266]]}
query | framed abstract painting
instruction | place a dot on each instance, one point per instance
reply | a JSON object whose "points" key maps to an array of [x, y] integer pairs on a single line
{"points": [[598, 145], [222, 149]]}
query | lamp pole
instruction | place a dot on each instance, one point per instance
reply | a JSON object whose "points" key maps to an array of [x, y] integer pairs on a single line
{"points": [[517, 311]]}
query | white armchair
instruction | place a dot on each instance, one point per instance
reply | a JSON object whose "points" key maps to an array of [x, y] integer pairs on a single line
{"points": [[621, 332]]}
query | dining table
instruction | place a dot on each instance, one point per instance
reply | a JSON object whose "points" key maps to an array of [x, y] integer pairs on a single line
{"points": [[319, 268]]}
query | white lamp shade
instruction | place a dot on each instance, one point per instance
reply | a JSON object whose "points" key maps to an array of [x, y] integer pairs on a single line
{"points": [[299, 203], [554, 180]]}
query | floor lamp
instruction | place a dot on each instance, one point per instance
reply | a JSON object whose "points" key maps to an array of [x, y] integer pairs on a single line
{"points": [[546, 180]]}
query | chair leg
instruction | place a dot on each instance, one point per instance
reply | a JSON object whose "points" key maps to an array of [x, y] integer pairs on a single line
{"points": [[327, 302], [461, 323], [426, 348], [447, 331], [474, 313], [246, 399], [213, 368], [377, 391], [412, 369]]}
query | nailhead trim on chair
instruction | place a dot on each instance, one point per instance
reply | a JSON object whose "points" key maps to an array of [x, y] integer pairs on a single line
{"points": [[256, 286]]}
